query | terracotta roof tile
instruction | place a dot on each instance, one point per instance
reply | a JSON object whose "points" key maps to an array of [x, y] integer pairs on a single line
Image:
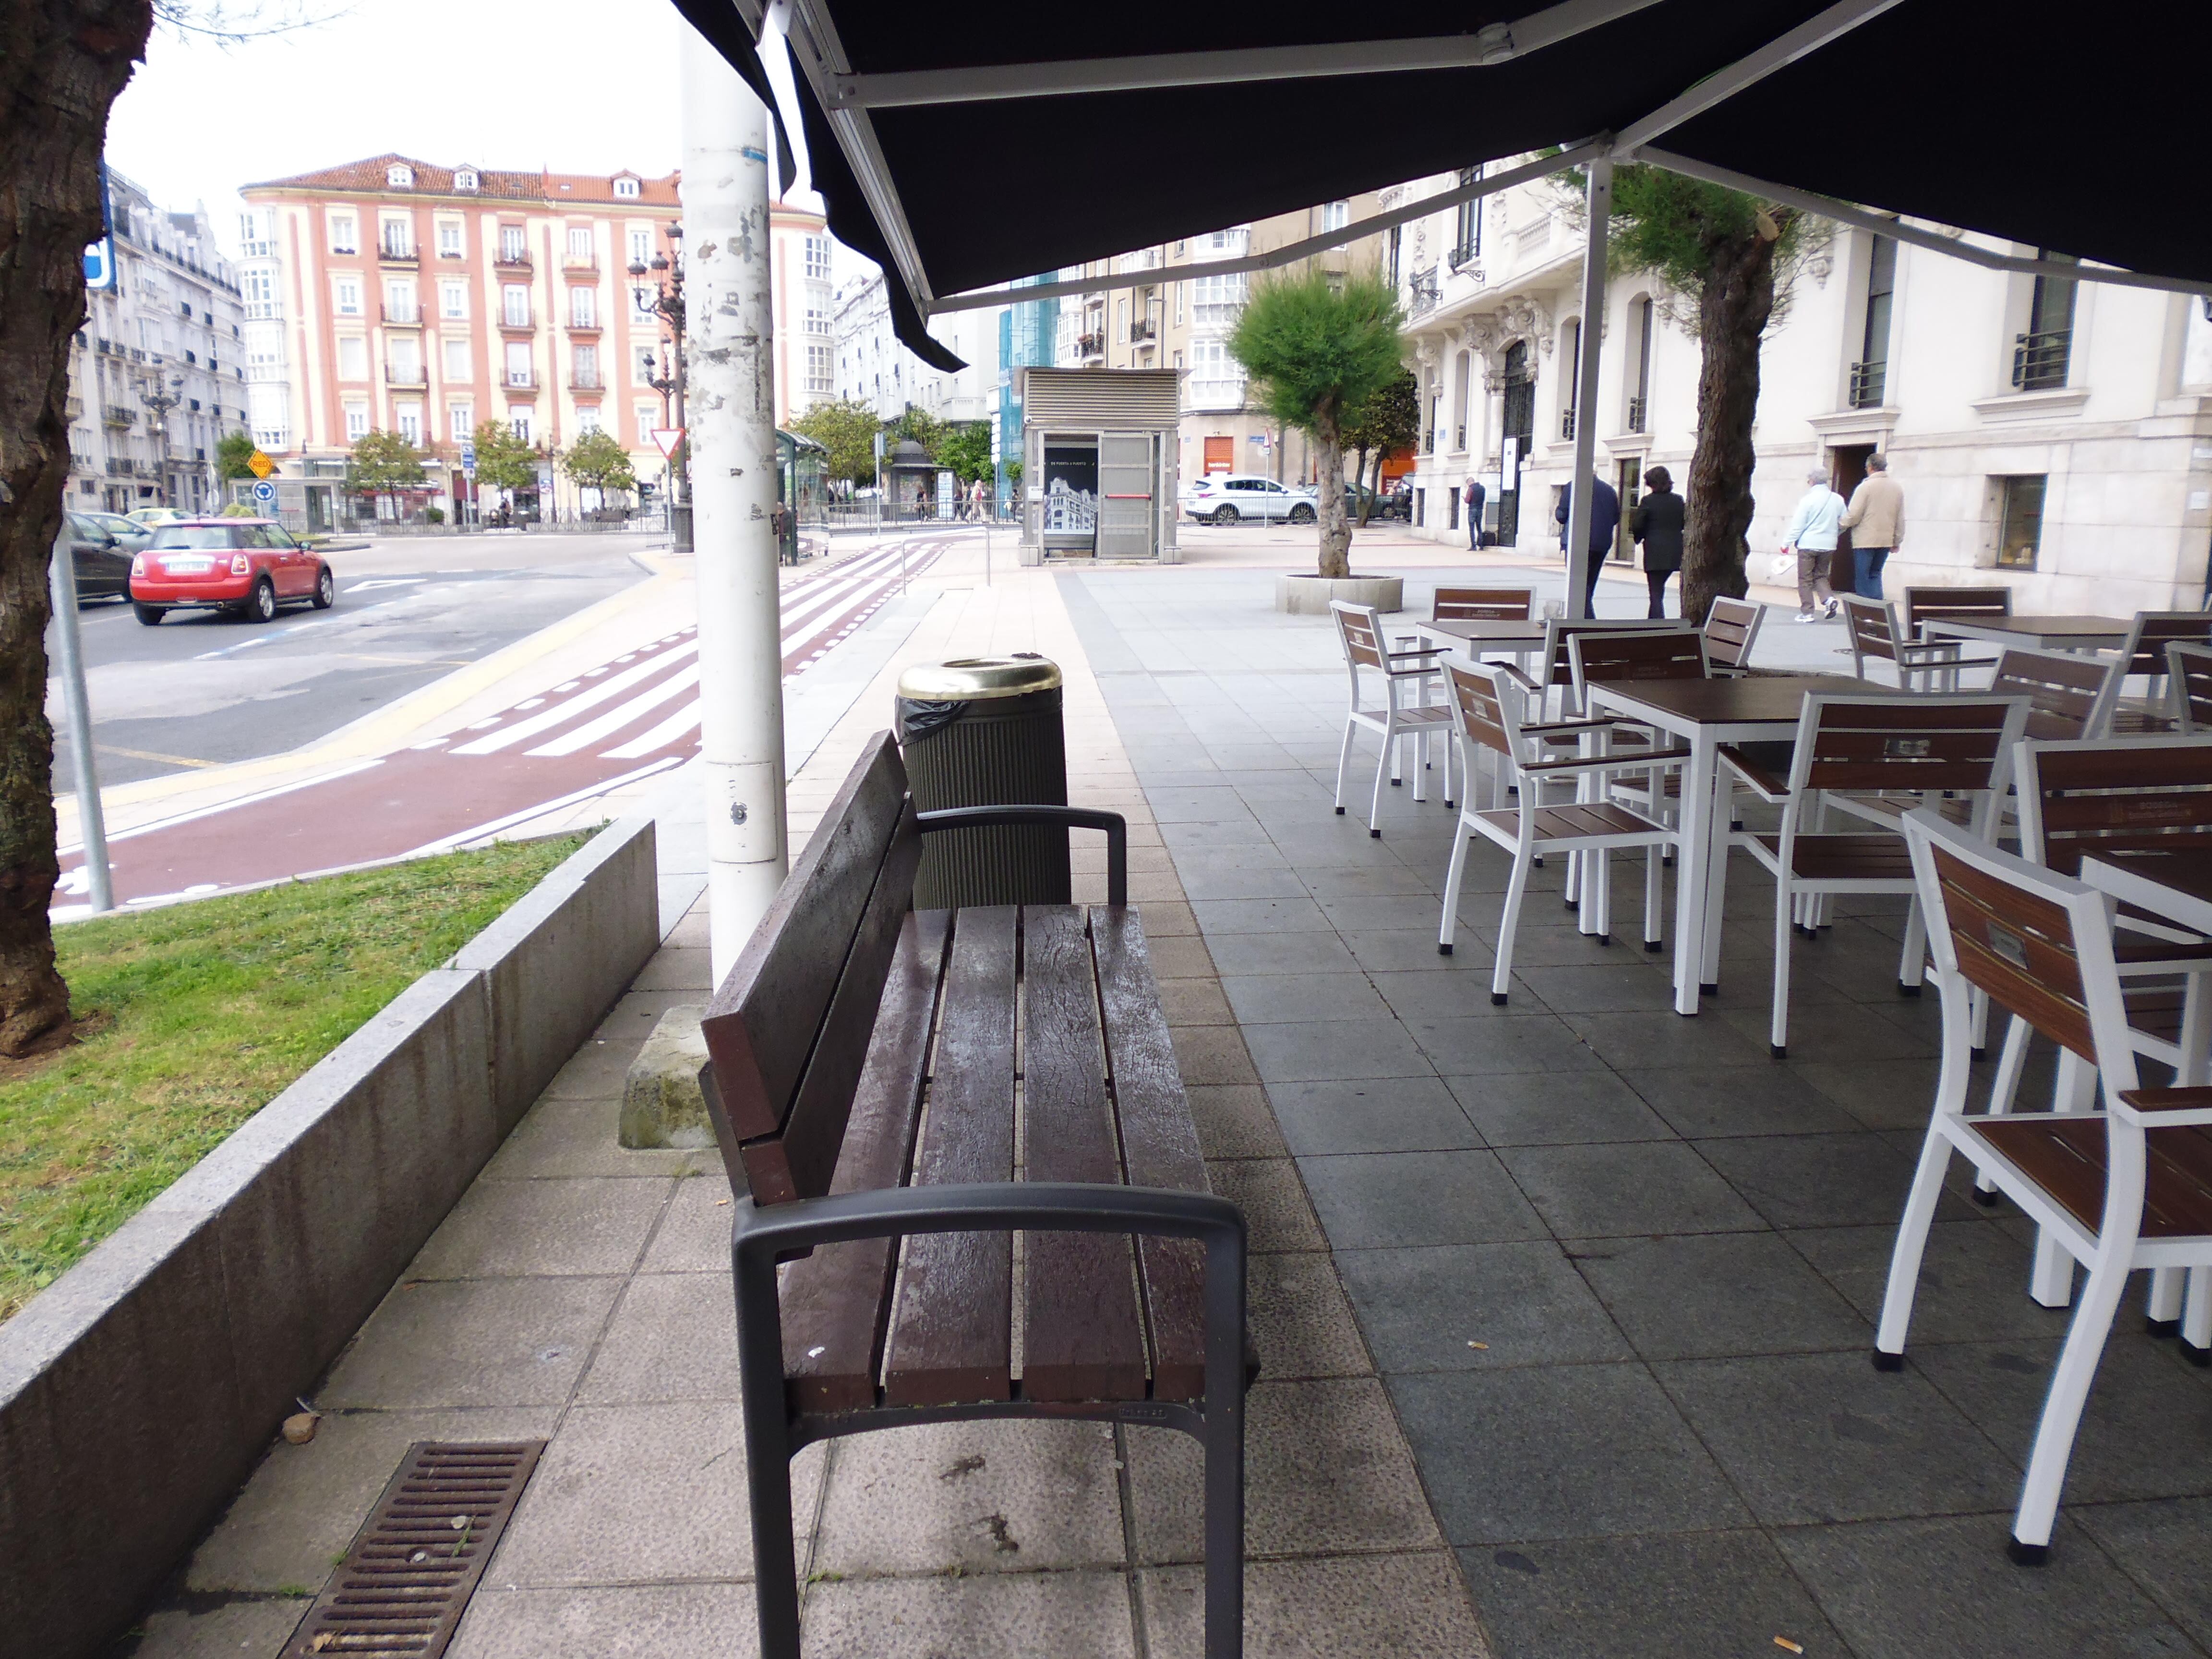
{"points": [[369, 177]]}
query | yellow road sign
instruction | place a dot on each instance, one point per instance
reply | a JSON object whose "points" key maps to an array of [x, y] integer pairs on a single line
{"points": [[261, 465]]}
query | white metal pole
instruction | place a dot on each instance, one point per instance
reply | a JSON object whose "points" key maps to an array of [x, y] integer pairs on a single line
{"points": [[62, 585], [1593, 333], [729, 327]]}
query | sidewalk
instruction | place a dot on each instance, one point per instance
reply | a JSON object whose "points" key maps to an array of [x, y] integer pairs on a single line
{"points": [[581, 1292]]}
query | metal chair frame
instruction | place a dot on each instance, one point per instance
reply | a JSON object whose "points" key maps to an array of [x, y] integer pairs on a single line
{"points": [[1359, 630]]}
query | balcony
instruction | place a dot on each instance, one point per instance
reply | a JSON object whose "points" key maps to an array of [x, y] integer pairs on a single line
{"points": [[1214, 395], [511, 259], [1869, 382], [1638, 411], [1422, 286], [1145, 328], [120, 467], [1465, 255], [117, 415], [398, 253], [520, 379], [584, 325], [403, 316], [518, 323], [2039, 361], [584, 264], [586, 380], [1090, 345], [405, 375], [72, 408]]}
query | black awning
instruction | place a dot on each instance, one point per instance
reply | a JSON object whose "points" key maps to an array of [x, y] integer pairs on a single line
{"points": [[2059, 128]]}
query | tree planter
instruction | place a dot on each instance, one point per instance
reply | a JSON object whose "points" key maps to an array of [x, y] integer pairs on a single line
{"points": [[1309, 596]]}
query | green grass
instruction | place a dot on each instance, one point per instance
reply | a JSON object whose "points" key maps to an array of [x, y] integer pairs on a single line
{"points": [[203, 1013]]}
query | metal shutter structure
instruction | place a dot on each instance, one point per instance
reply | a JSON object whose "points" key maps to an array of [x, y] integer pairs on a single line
{"points": [[1101, 399], [1125, 472]]}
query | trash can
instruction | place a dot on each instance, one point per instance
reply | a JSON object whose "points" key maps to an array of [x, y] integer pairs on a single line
{"points": [[986, 731]]}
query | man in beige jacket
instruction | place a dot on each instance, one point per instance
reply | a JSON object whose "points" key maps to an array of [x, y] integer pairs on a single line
{"points": [[1875, 519]]}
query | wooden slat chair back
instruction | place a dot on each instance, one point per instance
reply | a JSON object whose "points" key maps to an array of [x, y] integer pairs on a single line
{"points": [[1921, 603], [2114, 795], [2068, 695], [2125, 1188], [1604, 657], [2154, 630], [1482, 604], [2189, 681], [1404, 712], [1872, 631], [1925, 747], [1731, 629]]}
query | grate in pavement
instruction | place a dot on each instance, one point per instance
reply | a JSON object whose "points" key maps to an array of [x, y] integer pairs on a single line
{"points": [[402, 1587]]}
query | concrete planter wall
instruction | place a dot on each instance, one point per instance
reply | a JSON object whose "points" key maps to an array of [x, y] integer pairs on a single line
{"points": [[1309, 596], [137, 1391]]}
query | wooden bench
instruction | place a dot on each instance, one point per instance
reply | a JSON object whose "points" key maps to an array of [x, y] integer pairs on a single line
{"points": [[898, 1093]]}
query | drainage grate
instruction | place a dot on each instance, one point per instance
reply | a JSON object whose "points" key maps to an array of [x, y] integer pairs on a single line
{"points": [[403, 1586]]}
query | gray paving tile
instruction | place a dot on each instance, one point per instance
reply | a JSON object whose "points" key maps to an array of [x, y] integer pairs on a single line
{"points": [[1195, 805], [435, 1345], [1882, 1094], [1583, 988], [1427, 994], [1660, 1595], [1706, 1102], [1234, 853], [1263, 882], [1664, 1038], [1298, 915], [1366, 881], [999, 1615], [694, 1236], [1616, 1188], [1377, 912], [1551, 1108], [1377, 1200], [1345, 1607], [1848, 1032], [1906, 1589], [561, 1226], [1413, 950], [1244, 954], [1298, 999], [2164, 1547], [1273, 1199], [1486, 1043], [1321, 1050], [1816, 1181], [1301, 1322], [1972, 1284], [1715, 1294], [673, 1336], [1423, 1310], [1369, 1115], [1537, 945], [651, 1621], [1559, 1451], [1820, 1437], [1235, 1121]]}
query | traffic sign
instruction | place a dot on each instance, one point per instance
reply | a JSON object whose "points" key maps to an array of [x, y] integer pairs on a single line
{"points": [[259, 464], [469, 460], [666, 438], [264, 492]]}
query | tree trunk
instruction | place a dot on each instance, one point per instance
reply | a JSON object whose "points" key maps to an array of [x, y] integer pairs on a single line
{"points": [[1359, 481], [63, 62], [1732, 315], [1328, 496]]}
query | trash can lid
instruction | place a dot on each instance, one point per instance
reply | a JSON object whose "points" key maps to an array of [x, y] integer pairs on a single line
{"points": [[970, 679]]}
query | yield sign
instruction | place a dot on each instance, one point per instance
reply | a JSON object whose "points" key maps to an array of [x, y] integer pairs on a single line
{"points": [[259, 464], [666, 438]]}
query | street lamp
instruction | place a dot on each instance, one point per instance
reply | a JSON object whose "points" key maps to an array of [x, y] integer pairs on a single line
{"points": [[160, 402], [666, 271]]}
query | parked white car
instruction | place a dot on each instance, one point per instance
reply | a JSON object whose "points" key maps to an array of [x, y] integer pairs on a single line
{"points": [[1229, 497]]}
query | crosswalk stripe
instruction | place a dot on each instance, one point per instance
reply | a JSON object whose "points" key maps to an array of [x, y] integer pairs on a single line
{"points": [[546, 719], [621, 714]]}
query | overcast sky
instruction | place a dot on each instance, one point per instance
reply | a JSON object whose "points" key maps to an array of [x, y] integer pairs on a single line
{"points": [[577, 86]]}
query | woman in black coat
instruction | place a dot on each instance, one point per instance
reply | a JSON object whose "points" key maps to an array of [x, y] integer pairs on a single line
{"points": [[1656, 523]]}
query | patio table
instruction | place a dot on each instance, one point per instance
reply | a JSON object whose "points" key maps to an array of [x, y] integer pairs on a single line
{"points": [[1704, 714], [1488, 634], [2042, 633]]}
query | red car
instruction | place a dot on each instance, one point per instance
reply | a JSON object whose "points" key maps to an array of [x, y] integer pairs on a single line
{"points": [[247, 567]]}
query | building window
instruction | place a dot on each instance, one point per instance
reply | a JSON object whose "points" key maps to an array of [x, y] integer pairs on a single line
{"points": [[640, 363], [817, 259], [357, 422], [1462, 378], [513, 245], [461, 421], [1466, 227], [449, 239], [454, 300], [817, 368], [642, 298], [1870, 374], [458, 364], [818, 320], [627, 189], [465, 178], [408, 417], [586, 377], [518, 364], [396, 238], [345, 296], [648, 420], [1336, 216], [514, 304], [1570, 354], [583, 308], [353, 357], [640, 246], [2040, 356], [588, 418], [399, 301], [1392, 245], [2019, 521], [518, 423], [344, 233], [1215, 300], [580, 244], [1639, 400], [399, 176]]}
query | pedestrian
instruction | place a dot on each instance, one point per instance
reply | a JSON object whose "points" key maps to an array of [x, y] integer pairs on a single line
{"points": [[1473, 494], [1812, 537], [1605, 519], [1656, 524], [1875, 519]]}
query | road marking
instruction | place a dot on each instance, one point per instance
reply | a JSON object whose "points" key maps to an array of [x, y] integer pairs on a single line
{"points": [[174, 819], [682, 720], [576, 799], [546, 719], [149, 755], [386, 582], [529, 703], [620, 715]]}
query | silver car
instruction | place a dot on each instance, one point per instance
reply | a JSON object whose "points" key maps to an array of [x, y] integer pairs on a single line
{"points": [[1231, 497]]}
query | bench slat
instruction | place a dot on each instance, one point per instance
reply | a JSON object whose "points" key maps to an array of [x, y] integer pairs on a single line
{"points": [[761, 1024], [836, 1301], [1160, 1145], [952, 1334], [1082, 1333], [799, 1162]]}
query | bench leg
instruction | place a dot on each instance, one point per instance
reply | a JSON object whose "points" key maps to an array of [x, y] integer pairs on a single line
{"points": [[768, 1457], [1224, 1446]]}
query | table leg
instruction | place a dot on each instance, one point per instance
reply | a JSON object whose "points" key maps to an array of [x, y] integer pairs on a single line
{"points": [[1696, 857], [1716, 869]]}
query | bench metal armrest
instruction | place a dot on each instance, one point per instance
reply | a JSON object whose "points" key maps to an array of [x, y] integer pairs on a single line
{"points": [[1632, 762], [1075, 817]]}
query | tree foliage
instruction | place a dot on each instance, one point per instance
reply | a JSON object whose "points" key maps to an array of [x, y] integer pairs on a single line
{"points": [[232, 453], [596, 461], [503, 460], [1385, 424], [1672, 225], [967, 451], [848, 430], [919, 426], [1318, 346], [382, 463]]}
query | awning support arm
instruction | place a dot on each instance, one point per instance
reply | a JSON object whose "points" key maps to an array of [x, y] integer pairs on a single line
{"points": [[1590, 340]]}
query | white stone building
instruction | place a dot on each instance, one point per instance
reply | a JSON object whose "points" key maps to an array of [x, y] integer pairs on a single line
{"points": [[168, 332], [2053, 436], [872, 367]]}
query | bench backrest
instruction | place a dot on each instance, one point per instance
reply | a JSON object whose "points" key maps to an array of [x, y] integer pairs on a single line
{"points": [[1731, 628], [2154, 630], [1603, 659], [787, 1031], [1559, 668], [1921, 603], [2068, 695], [2114, 795], [1482, 604], [1906, 746]]}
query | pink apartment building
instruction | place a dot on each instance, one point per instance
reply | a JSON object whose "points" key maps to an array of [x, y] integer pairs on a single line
{"points": [[393, 295]]}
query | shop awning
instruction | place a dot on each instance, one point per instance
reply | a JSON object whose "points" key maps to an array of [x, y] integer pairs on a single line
{"points": [[971, 142]]}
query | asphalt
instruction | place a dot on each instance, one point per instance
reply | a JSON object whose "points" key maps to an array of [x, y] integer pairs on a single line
{"points": [[202, 689]]}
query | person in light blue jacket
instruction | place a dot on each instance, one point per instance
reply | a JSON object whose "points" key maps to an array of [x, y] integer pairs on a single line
{"points": [[1812, 537]]}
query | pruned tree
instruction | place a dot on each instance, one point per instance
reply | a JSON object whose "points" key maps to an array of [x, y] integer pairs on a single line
{"points": [[232, 453], [597, 461], [503, 460], [919, 426], [383, 464], [1733, 256], [1318, 346], [1385, 424], [967, 451], [848, 430]]}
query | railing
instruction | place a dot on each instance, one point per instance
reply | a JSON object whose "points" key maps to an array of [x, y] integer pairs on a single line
{"points": [[1143, 328], [1567, 425], [1870, 381], [1090, 345], [515, 259], [117, 415], [398, 253], [396, 375], [584, 324], [452, 254], [1638, 413], [405, 316], [522, 379], [1422, 285], [120, 467], [586, 262], [520, 324], [586, 380], [2038, 361], [1465, 254]]}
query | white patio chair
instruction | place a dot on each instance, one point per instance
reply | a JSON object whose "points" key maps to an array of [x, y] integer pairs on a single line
{"points": [[1404, 713]]}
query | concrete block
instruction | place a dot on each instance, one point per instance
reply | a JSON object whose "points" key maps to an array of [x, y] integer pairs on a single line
{"points": [[559, 959], [1309, 596], [663, 1102]]}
